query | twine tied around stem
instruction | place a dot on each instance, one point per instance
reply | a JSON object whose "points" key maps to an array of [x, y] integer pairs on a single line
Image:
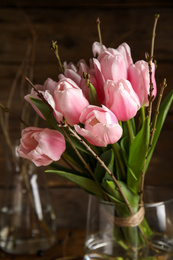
{"points": [[132, 221]]}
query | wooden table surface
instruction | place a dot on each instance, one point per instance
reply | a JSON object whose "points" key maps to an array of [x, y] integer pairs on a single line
{"points": [[68, 246]]}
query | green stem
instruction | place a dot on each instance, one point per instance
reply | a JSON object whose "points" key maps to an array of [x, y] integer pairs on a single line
{"points": [[121, 165], [142, 115], [130, 132], [72, 161]]}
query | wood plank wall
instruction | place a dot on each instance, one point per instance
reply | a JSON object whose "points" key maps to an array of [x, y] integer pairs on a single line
{"points": [[26, 31]]}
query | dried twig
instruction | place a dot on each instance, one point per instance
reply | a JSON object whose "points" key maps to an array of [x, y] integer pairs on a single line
{"points": [[154, 34], [99, 30], [7, 110], [150, 99], [163, 86], [149, 60], [54, 48]]}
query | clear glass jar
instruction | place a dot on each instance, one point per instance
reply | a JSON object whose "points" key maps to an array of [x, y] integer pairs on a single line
{"points": [[27, 219], [152, 239]]}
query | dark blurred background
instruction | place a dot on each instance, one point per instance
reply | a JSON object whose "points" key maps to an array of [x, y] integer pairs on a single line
{"points": [[26, 31]]}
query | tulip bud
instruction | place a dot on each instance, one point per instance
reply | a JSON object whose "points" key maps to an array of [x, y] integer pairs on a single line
{"points": [[121, 99], [69, 100], [139, 78]]}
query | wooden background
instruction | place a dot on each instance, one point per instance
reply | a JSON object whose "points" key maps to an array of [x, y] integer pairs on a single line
{"points": [[26, 31]]}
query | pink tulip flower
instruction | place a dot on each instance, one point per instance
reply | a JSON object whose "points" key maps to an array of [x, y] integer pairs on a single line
{"points": [[123, 49], [98, 48], [100, 126], [111, 64], [121, 99], [111, 59], [139, 78], [41, 146], [71, 72], [47, 91], [69, 100], [75, 73], [99, 81]]}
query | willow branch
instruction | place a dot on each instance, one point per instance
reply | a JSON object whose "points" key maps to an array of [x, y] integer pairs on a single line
{"points": [[150, 99], [163, 86], [150, 96], [149, 60], [7, 110], [99, 30], [54, 48], [154, 34]]}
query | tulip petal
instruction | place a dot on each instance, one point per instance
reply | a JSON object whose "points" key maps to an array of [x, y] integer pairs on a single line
{"points": [[52, 143], [91, 138]]}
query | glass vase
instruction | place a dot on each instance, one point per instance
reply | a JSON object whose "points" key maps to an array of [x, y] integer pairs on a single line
{"points": [[27, 220], [151, 239]]}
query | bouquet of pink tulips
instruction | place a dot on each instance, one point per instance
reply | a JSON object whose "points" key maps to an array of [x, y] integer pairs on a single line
{"points": [[100, 122]]}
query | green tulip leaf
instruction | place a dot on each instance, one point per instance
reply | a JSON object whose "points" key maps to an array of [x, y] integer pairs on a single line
{"points": [[58, 167], [137, 155], [46, 112], [121, 160], [108, 158], [124, 149], [163, 111], [85, 183], [114, 193]]}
